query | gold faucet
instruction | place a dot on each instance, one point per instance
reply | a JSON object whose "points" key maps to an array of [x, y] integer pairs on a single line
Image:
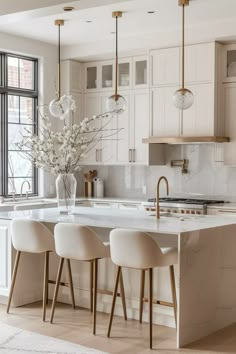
{"points": [[158, 192]]}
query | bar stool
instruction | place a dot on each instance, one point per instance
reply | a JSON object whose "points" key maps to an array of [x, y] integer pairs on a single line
{"points": [[138, 250], [33, 237], [78, 242]]}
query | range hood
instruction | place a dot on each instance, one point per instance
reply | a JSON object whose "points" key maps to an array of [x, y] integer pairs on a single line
{"points": [[173, 140]]}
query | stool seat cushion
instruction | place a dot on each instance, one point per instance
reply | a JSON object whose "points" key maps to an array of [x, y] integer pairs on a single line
{"points": [[79, 242], [31, 236], [136, 249]]}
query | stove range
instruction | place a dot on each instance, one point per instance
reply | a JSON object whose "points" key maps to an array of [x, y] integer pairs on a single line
{"points": [[181, 205]]}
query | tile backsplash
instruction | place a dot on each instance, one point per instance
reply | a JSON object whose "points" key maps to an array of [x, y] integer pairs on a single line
{"points": [[206, 176]]}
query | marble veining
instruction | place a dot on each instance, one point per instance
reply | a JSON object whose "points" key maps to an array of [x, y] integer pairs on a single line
{"points": [[17, 341]]}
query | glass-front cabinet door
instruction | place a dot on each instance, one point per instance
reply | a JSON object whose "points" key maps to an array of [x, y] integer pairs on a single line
{"points": [[229, 61], [125, 73], [91, 77], [108, 75], [140, 77]]}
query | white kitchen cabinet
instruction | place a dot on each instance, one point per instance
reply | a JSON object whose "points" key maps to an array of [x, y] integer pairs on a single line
{"points": [[229, 63], [92, 106], [229, 113], [165, 67], [165, 118], [200, 63], [106, 152], [5, 259], [125, 74], [139, 126], [199, 120], [91, 77]]}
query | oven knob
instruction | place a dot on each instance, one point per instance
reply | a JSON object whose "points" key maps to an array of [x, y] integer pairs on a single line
{"points": [[198, 212], [187, 211], [168, 210], [174, 211], [182, 211]]}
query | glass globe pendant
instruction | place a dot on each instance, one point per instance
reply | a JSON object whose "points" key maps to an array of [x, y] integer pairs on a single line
{"points": [[116, 103], [183, 98]]}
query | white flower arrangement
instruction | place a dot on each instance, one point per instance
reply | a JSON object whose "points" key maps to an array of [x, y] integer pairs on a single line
{"points": [[64, 152]]}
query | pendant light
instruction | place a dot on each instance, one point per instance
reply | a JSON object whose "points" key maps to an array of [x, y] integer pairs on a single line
{"points": [[59, 108], [116, 103], [183, 98]]}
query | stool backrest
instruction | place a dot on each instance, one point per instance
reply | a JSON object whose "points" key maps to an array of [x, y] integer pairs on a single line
{"points": [[77, 242], [31, 236], [134, 249]]}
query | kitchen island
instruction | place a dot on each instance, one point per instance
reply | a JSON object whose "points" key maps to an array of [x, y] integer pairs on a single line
{"points": [[205, 275]]}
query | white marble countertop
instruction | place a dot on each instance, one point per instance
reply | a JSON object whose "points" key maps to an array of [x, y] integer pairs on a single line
{"points": [[115, 218], [222, 206]]}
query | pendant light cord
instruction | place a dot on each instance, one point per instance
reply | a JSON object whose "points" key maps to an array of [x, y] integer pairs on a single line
{"points": [[59, 61], [183, 44], [116, 82]]}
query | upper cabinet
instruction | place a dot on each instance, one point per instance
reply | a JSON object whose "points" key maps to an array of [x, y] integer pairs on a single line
{"points": [[140, 72], [165, 67], [229, 63]]}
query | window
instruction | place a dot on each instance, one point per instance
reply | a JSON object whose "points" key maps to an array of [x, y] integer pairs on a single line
{"points": [[18, 107]]}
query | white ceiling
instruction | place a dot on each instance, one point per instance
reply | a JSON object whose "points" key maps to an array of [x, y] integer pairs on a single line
{"points": [[135, 26]]}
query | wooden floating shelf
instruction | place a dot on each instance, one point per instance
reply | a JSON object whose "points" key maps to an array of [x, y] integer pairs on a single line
{"points": [[186, 140]]}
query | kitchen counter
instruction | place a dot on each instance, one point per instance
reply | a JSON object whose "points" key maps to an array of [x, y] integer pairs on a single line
{"points": [[112, 218], [205, 274]]}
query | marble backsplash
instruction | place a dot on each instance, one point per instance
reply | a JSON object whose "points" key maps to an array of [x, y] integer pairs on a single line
{"points": [[206, 176]]}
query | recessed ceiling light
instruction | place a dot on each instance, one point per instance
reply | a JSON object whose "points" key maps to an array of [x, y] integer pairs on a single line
{"points": [[113, 32], [151, 12], [68, 8], [88, 21]]}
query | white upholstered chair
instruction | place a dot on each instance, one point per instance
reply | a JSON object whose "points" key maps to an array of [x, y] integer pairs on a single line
{"points": [[78, 242], [33, 237], [138, 250]]}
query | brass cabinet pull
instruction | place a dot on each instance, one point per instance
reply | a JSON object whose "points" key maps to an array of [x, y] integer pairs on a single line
{"points": [[96, 155], [133, 155], [130, 155]]}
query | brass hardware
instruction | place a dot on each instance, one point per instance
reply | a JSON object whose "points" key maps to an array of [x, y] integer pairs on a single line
{"points": [[180, 163], [59, 22], [158, 193], [133, 155], [117, 14], [68, 8], [130, 155], [173, 291], [183, 2], [186, 140]]}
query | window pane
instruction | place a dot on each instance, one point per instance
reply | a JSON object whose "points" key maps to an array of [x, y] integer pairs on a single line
{"points": [[19, 166], [26, 74], [14, 185], [13, 109], [15, 134], [26, 110], [13, 72]]}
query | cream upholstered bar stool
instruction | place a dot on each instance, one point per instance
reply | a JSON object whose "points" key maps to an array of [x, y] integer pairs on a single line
{"points": [[30, 236], [79, 242], [145, 255]]}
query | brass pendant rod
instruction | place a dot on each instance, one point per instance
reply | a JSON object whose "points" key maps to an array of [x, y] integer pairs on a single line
{"points": [[116, 79], [59, 61], [183, 44]]}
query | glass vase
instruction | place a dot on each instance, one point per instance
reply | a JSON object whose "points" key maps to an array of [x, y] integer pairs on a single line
{"points": [[66, 192]]}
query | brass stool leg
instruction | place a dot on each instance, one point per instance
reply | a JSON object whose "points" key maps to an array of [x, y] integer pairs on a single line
{"points": [[95, 285], [47, 275], [173, 290], [150, 305], [122, 293], [113, 301], [45, 284], [13, 279], [56, 288], [142, 285], [71, 284], [91, 286]]}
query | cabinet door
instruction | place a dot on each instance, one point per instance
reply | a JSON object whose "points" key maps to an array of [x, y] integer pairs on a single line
{"points": [[107, 75], [77, 116], [200, 63], [199, 120], [165, 67], [140, 72], [125, 74], [122, 123], [75, 76], [92, 106], [229, 63], [91, 77], [229, 111], [141, 125], [165, 118], [107, 145], [5, 270]]}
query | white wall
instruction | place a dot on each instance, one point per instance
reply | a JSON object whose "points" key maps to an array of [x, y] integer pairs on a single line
{"points": [[47, 55]]}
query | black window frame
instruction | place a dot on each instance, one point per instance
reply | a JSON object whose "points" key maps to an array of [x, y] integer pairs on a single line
{"points": [[5, 91]]}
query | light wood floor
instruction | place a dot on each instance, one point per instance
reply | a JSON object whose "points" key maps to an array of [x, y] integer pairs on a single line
{"points": [[126, 337]]}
